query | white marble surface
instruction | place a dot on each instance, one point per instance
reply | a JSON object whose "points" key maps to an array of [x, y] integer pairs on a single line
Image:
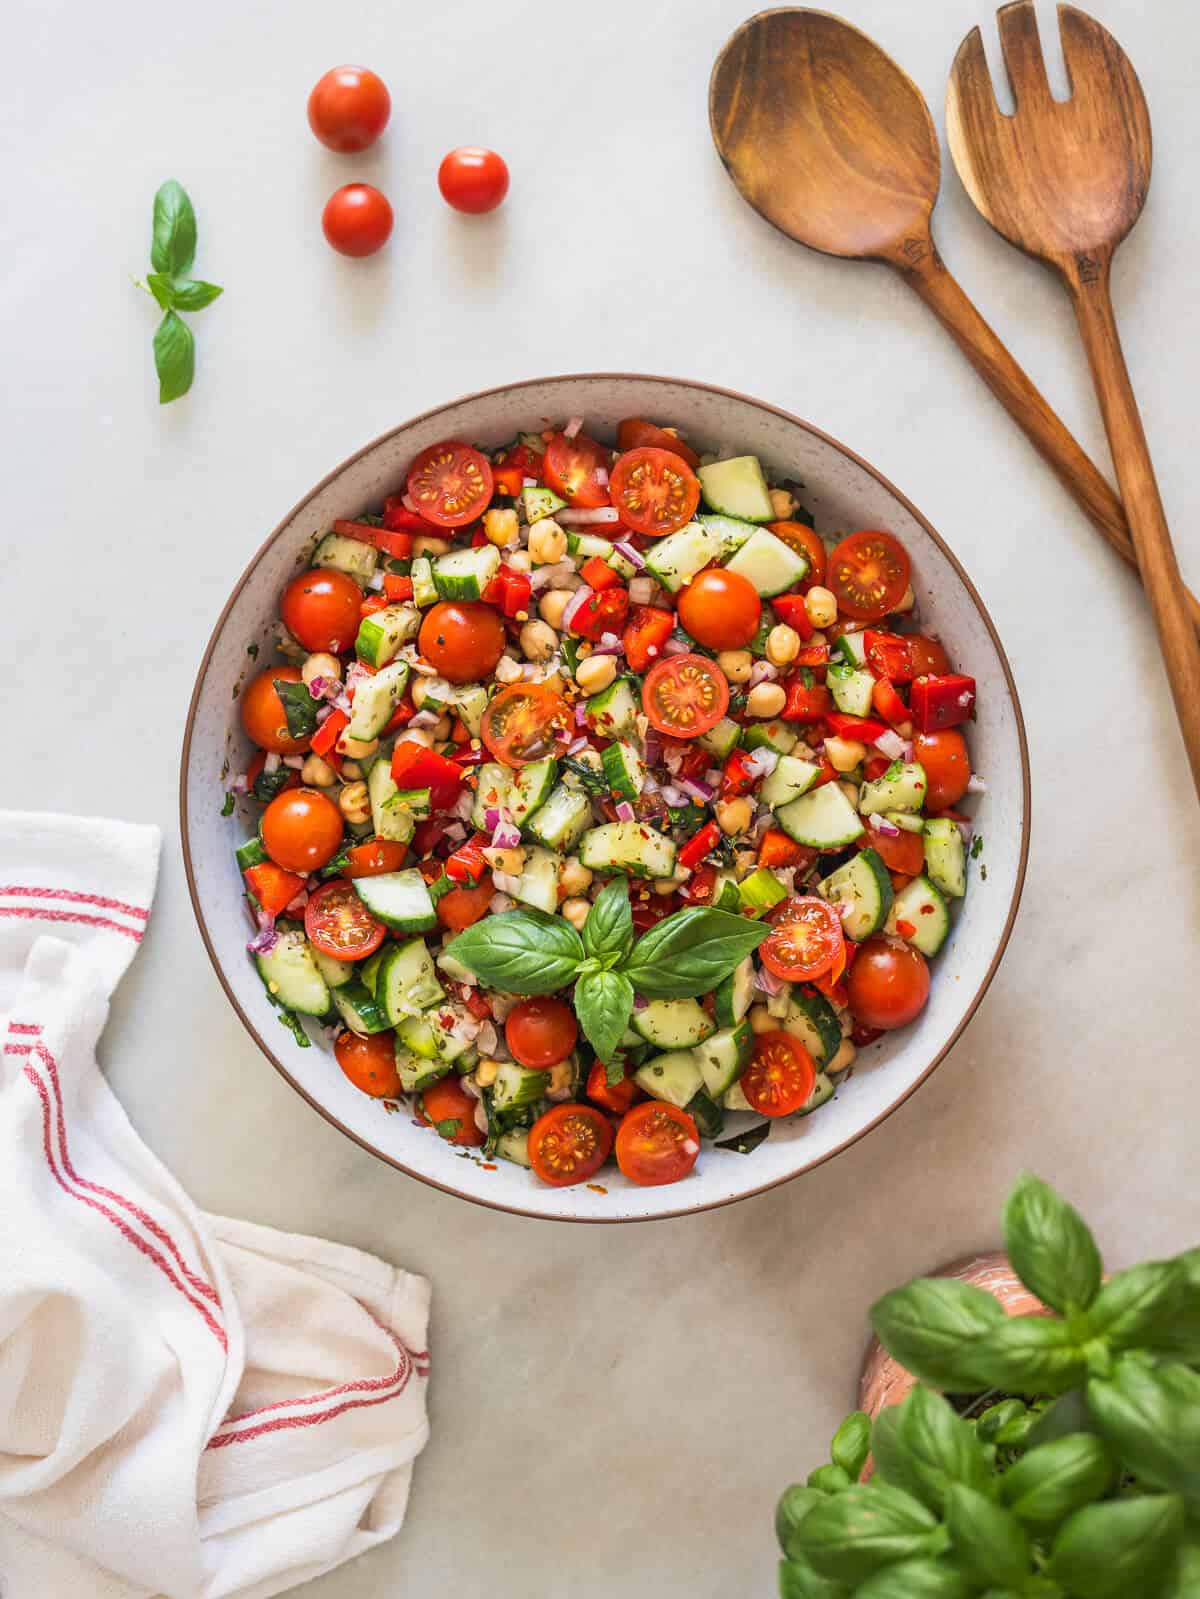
{"points": [[614, 1410]]}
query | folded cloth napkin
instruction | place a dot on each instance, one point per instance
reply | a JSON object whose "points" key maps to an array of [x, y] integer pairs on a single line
{"points": [[189, 1406]]}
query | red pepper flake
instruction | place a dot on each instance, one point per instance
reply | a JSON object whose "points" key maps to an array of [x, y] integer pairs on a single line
{"points": [[487, 1165], [596, 1188]]}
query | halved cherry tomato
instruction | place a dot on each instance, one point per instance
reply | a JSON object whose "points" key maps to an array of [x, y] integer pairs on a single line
{"points": [[648, 629], [633, 434], [888, 983], [320, 609], [370, 1063], [685, 695], [371, 860], [777, 849], [463, 907], [805, 939], [889, 704], [889, 655], [569, 1144], [929, 659], [899, 853], [720, 609], [657, 1143], [263, 715], [272, 887], [808, 543], [649, 909], [604, 612], [462, 639], [540, 1032], [781, 1075], [617, 1097], [414, 766], [302, 829], [445, 1103], [570, 467], [655, 491], [450, 483], [868, 573], [947, 766], [340, 925], [526, 722]]}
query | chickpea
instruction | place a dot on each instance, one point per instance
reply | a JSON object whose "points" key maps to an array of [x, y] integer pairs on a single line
{"points": [[906, 601], [596, 673], [485, 1073], [519, 561], [783, 645], [734, 815], [574, 878], [500, 527], [783, 505], [761, 1020], [765, 699], [321, 665], [547, 542], [576, 912], [317, 773], [844, 754], [442, 728], [559, 1084], [821, 606], [356, 748], [509, 861], [427, 544], [414, 735], [552, 605], [507, 670], [422, 689], [538, 642], [845, 1057], [663, 885], [351, 771], [354, 804], [736, 665]]}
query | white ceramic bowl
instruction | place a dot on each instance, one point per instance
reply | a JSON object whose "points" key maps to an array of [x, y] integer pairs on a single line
{"points": [[844, 493]]}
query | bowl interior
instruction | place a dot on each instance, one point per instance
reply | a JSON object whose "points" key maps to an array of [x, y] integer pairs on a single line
{"points": [[843, 493]]}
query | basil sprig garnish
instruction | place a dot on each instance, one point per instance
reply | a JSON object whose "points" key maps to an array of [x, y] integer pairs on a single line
{"points": [[172, 250], [528, 952]]}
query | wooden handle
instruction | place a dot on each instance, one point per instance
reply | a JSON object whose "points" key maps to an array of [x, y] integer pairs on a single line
{"points": [[1045, 430], [1087, 278]]}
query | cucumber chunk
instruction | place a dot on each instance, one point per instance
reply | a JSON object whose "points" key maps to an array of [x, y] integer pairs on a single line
{"points": [[382, 633], [417, 1072], [920, 917], [614, 711], [631, 847], [707, 1114], [734, 995], [864, 885], [823, 818], [356, 559], [516, 1086], [514, 1146], [675, 560], [731, 531], [291, 975], [852, 647], [813, 1020], [822, 1091], [358, 1010], [424, 588], [406, 982], [464, 574], [673, 1023], [390, 817], [336, 973], [492, 792], [852, 689], [399, 899], [791, 778], [721, 740], [623, 768], [531, 788], [538, 502], [772, 566], [723, 1057], [375, 700], [675, 1077], [737, 487], [946, 856], [561, 820], [901, 788], [538, 883], [774, 735]]}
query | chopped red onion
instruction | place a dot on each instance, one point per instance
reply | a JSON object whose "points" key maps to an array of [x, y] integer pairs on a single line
{"points": [[976, 784], [675, 646], [586, 516], [762, 762], [342, 703], [574, 605], [580, 716], [762, 672], [463, 807], [965, 827], [601, 476], [673, 796], [891, 745], [641, 590], [506, 835], [573, 426], [241, 784], [625, 811], [882, 825], [553, 575], [640, 1002], [375, 581], [697, 791], [295, 905], [263, 942], [499, 902], [577, 744], [486, 1038], [767, 981], [272, 764], [529, 482], [492, 817], [324, 712], [607, 649], [654, 750], [424, 719], [634, 557], [293, 762], [505, 882], [410, 504]]}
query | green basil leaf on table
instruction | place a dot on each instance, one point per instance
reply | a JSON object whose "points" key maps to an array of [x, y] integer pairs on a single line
{"points": [[852, 1534], [1119, 1549], [690, 952], [852, 1444], [162, 286], [298, 706], [1055, 1479], [798, 1580], [746, 1143], [1151, 1417], [989, 1542], [918, 1579], [934, 1327], [923, 1447], [174, 358], [1136, 1306], [193, 294], [521, 952], [603, 1003], [794, 1504], [1051, 1246], [608, 929], [173, 239]]}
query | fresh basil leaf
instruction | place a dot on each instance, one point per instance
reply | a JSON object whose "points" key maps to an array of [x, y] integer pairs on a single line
{"points": [[614, 1070], [1184, 1582], [1068, 1414], [334, 867], [521, 952], [1051, 1246], [298, 706], [603, 1003], [1031, 1355], [449, 1127], [230, 802], [852, 1534], [1052, 1481], [919, 1579], [590, 781], [291, 1021], [162, 286], [690, 952], [608, 929], [996, 1417], [989, 1541], [1118, 1549], [794, 1504], [829, 1479], [174, 358], [798, 1580], [934, 1326], [1136, 1306], [923, 1447], [173, 239], [193, 294], [1151, 1417], [852, 1444], [267, 784], [746, 1143]]}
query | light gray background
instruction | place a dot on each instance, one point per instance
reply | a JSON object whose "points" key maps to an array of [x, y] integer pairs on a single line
{"points": [[614, 1410]]}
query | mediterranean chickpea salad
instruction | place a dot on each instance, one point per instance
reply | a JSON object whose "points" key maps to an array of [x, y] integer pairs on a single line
{"points": [[599, 798]]}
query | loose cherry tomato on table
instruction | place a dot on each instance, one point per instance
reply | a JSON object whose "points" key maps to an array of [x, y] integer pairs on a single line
{"points": [[369, 1063], [868, 574], [263, 715], [473, 179], [462, 639], [569, 1144], [655, 491], [900, 852], [685, 696], [450, 483], [526, 722], [373, 859], [888, 984], [808, 543], [540, 1032], [633, 434], [805, 939], [349, 108], [445, 1103], [947, 766], [320, 609], [302, 829], [340, 925], [617, 1097], [463, 907], [781, 1075], [570, 468], [357, 219], [656, 1143], [720, 609]]}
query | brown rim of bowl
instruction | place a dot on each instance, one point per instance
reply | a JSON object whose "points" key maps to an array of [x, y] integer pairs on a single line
{"points": [[512, 388]]}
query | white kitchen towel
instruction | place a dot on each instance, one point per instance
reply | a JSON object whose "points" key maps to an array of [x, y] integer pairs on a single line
{"points": [[190, 1406]]}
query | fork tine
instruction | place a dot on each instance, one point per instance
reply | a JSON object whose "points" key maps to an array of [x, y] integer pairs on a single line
{"points": [[971, 79], [1022, 50]]}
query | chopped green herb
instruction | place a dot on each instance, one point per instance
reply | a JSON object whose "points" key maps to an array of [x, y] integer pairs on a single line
{"points": [[594, 782], [806, 676], [252, 651], [298, 706], [227, 808], [268, 784], [976, 846], [291, 1021], [449, 1127], [614, 1072], [746, 1143], [983, 872]]}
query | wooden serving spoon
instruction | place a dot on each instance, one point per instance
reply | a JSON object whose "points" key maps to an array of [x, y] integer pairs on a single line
{"points": [[1065, 181], [832, 142]]}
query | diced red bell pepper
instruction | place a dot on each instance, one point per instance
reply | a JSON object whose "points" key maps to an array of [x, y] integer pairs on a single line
{"points": [[617, 1097], [467, 864], [875, 766], [604, 612], [698, 890], [373, 603], [829, 773], [888, 655], [889, 704], [414, 766], [647, 630], [508, 480], [942, 701], [693, 761], [805, 702], [862, 728], [475, 1002], [790, 608], [397, 545], [391, 543], [427, 835], [330, 730], [698, 846], [510, 592], [738, 776], [272, 887], [398, 518], [523, 457], [478, 539], [813, 655], [364, 532], [397, 588], [402, 715], [777, 849], [597, 574]]}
